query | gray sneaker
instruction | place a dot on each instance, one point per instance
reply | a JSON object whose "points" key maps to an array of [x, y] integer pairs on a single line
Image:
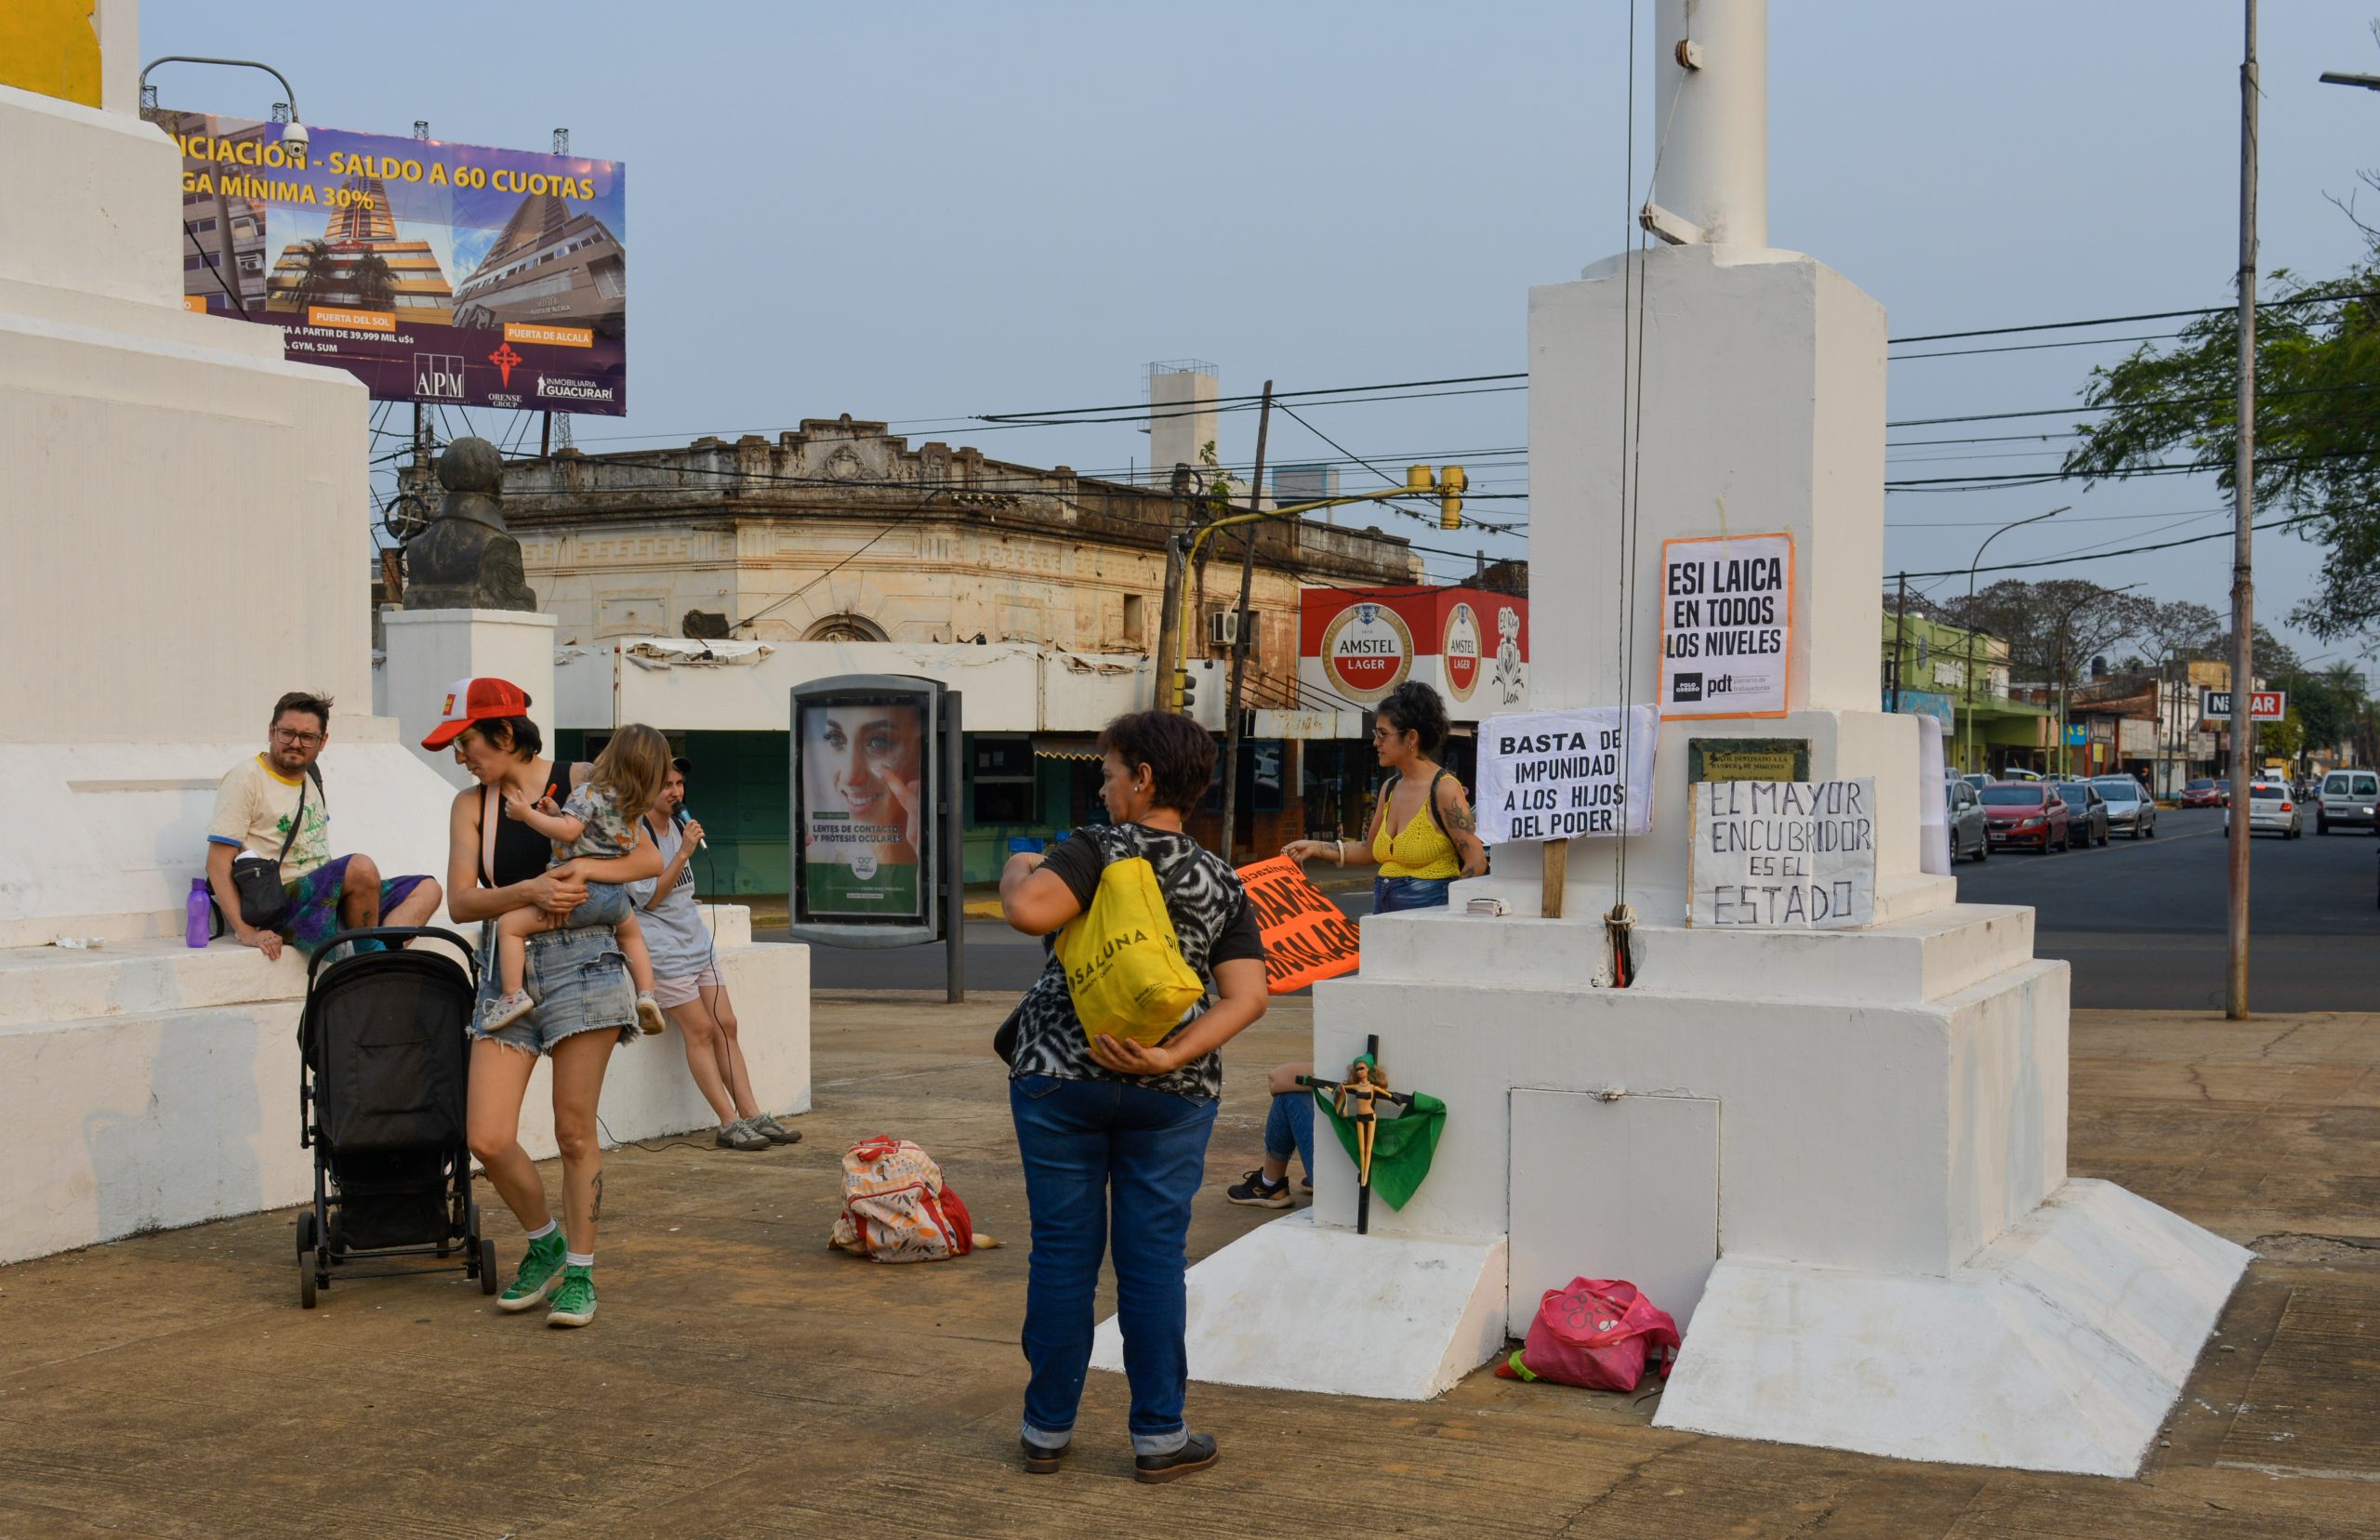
{"points": [[773, 1131], [741, 1135]]}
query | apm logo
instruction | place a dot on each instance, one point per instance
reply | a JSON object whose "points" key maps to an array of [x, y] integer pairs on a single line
{"points": [[438, 377]]}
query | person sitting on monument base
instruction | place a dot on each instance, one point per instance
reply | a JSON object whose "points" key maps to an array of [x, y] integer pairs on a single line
{"points": [[1289, 1129], [273, 805]]}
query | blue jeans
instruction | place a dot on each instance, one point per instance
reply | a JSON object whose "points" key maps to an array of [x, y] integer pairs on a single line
{"points": [[1290, 1126], [1090, 1146], [1390, 894]]}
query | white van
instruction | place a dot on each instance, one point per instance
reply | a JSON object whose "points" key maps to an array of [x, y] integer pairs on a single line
{"points": [[2346, 801]]}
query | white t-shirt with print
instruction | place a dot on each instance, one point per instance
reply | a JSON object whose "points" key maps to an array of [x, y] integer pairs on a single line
{"points": [[252, 810]]}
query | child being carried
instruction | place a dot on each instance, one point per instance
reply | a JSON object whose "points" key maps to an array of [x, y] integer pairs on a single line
{"points": [[599, 820]]}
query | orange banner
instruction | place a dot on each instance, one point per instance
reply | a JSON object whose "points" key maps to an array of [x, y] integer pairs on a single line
{"points": [[1306, 937], [384, 322], [552, 336], [195, 302]]}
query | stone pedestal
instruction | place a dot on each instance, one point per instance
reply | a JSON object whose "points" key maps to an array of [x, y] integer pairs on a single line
{"points": [[188, 523], [1837, 1157], [428, 649]]}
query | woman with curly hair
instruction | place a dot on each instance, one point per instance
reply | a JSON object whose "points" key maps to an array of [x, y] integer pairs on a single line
{"points": [[1424, 833]]}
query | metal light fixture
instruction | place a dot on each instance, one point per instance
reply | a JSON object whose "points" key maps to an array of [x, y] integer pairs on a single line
{"points": [[293, 133]]}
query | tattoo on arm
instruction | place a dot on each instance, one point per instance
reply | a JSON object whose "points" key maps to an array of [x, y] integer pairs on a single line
{"points": [[1463, 818]]}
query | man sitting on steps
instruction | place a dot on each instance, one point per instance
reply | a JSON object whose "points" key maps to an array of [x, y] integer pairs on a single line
{"points": [[254, 809]]}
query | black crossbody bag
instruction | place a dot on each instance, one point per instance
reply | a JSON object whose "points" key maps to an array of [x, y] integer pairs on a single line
{"points": [[264, 904]]}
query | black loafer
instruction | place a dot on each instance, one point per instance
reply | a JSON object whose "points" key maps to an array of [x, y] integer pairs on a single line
{"points": [[1042, 1462], [1195, 1456]]}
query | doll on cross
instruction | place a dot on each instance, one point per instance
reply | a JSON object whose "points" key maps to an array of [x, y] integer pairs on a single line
{"points": [[1356, 1100]]}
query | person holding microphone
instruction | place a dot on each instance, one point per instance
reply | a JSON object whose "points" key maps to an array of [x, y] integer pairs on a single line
{"points": [[686, 978]]}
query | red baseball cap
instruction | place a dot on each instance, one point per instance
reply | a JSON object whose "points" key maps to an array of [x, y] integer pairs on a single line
{"points": [[475, 701]]}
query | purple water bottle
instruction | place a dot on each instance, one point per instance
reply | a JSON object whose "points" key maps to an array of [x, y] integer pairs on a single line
{"points": [[196, 931]]}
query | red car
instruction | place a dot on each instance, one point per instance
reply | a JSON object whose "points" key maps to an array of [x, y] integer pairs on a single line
{"points": [[2202, 794], [2020, 813]]}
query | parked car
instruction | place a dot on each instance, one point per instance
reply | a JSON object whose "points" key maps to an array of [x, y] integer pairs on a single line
{"points": [[2202, 794], [2088, 809], [1977, 779], [2027, 813], [2271, 809], [2129, 808], [1970, 831], [2223, 789], [2347, 800]]}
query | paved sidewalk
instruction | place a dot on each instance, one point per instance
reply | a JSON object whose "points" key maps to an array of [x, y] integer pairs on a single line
{"points": [[743, 1381]]}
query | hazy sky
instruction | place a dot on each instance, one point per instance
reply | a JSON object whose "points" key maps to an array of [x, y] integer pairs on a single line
{"points": [[928, 211]]}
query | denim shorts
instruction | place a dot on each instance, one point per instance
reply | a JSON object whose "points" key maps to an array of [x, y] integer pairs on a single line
{"points": [[579, 981], [1390, 894], [607, 904]]}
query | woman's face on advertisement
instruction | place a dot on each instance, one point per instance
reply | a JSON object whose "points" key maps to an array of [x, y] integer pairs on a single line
{"points": [[861, 746]]}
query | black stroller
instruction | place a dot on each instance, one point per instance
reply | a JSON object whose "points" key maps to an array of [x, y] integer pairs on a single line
{"points": [[380, 1100]]}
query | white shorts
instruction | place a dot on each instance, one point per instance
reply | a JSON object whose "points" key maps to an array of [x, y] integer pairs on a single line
{"points": [[673, 992]]}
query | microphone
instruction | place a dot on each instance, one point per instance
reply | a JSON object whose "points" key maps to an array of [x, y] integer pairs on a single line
{"points": [[679, 818]]}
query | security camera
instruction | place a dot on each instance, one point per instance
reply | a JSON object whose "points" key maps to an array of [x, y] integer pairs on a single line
{"points": [[294, 137]]}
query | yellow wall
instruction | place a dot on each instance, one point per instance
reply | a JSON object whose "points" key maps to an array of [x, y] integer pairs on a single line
{"points": [[51, 47]]}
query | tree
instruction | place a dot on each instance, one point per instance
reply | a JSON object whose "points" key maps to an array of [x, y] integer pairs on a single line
{"points": [[318, 272], [373, 281], [2317, 433], [2053, 629], [2179, 630]]}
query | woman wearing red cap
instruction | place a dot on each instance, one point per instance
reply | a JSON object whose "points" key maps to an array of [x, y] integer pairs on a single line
{"points": [[585, 1003]]}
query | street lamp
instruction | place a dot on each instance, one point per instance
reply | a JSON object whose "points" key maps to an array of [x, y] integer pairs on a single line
{"points": [[293, 133], [293, 137], [1966, 743]]}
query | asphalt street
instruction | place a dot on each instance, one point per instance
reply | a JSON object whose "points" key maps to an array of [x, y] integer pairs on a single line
{"points": [[2141, 921]]}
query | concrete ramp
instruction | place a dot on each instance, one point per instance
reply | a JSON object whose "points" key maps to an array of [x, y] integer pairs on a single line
{"points": [[2059, 1347], [1276, 1309]]}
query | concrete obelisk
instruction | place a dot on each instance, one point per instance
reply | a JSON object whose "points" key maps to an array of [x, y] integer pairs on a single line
{"points": [[1837, 1156]]}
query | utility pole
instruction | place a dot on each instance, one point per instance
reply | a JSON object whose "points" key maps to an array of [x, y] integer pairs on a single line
{"points": [[1169, 606], [2243, 507], [1240, 637], [1900, 638]]}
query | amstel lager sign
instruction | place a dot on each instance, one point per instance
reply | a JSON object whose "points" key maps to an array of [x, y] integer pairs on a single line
{"points": [[1367, 652]]}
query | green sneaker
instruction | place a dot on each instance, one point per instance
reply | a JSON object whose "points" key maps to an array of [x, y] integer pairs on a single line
{"points": [[573, 1300], [539, 1271]]}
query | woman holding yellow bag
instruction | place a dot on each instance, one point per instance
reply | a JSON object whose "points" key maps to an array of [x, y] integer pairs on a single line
{"points": [[1118, 1121]]}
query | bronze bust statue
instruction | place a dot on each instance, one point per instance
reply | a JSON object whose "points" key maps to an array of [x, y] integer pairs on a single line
{"points": [[466, 559]]}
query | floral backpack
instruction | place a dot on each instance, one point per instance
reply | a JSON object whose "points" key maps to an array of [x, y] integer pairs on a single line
{"points": [[897, 1207]]}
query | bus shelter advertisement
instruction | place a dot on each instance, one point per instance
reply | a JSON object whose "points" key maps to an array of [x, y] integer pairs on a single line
{"points": [[431, 271], [863, 786]]}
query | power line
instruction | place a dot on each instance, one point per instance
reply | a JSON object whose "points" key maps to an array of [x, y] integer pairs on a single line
{"points": [[2284, 523]]}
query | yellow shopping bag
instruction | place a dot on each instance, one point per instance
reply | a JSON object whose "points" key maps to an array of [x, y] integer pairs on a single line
{"points": [[1123, 959]]}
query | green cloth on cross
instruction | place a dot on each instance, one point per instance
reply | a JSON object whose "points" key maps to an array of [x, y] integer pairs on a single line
{"points": [[1402, 1146]]}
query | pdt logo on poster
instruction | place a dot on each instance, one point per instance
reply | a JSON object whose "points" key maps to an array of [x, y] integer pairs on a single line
{"points": [[1368, 650]]}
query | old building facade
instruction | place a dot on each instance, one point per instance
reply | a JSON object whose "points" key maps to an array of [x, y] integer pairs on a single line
{"points": [[841, 532]]}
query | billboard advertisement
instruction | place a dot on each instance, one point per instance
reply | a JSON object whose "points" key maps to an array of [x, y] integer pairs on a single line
{"points": [[863, 780], [1470, 645], [433, 272]]}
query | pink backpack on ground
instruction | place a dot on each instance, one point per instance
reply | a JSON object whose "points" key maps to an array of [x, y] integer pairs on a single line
{"points": [[896, 1208], [1599, 1333]]}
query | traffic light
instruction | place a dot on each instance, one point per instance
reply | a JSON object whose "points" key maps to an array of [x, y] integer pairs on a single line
{"points": [[1451, 480], [1183, 694]]}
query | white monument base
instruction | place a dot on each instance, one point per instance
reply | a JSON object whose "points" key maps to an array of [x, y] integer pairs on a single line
{"points": [[144, 1084], [1431, 1312], [2059, 1347], [428, 649], [1838, 1158]]}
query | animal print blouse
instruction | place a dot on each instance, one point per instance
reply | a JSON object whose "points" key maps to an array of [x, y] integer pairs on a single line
{"points": [[1211, 914]]}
